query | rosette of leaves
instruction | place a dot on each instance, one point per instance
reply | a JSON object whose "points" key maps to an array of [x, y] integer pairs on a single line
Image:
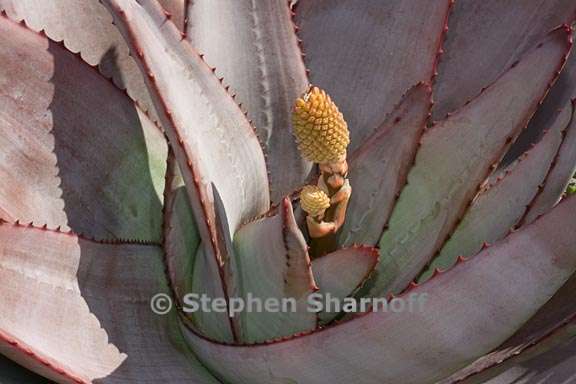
{"points": [[146, 148]]}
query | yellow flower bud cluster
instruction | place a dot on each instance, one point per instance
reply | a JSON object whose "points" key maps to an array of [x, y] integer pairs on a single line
{"points": [[321, 132], [313, 200]]}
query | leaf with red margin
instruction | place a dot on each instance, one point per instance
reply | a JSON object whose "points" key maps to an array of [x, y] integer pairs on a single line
{"points": [[272, 262], [553, 324], [212, 140], [254, 48], [216, 283], [468, 311], [560, 175], [366, 54], [216, 148], [378, 169], [455, 158], [495, 211], [205, 282], [555, 365], [177, 12], [181, 238], [84, 26], [484, 38], [87, 311], [550, 361], [559, 97], [341, 274], [76, 152]]}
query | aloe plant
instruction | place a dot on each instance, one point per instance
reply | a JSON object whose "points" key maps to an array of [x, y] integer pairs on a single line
{"points": [[153, 149]]}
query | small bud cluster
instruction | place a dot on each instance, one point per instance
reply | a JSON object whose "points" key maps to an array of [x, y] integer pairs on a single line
{"points": [[314, 200]]}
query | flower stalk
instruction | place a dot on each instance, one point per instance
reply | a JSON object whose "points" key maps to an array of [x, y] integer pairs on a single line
{"points": [[323, 137]]}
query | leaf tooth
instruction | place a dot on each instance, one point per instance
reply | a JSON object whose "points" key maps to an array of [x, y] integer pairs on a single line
{"points": [[412, 285]]}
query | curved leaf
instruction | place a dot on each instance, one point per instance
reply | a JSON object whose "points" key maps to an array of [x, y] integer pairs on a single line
{"points": [[552, 325], [273, 264], [177, 11], [253, 46], [468, 311], [181, 238], [342, 273], [485, 38], [552, 361], [88, 314], [366, 54], [559, 97], [456, 156], [206, 282], [379, 167], [76, 152], [213, 281], [216, 148], [212, 140], [560, 175], [495, 212], [84, 26]]}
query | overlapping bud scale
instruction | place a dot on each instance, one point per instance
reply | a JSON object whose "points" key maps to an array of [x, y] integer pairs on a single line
{"points": [[313, 200], [320, 129]]}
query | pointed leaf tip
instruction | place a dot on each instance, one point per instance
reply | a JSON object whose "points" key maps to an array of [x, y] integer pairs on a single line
{"points": [[267, 81], [378, 168], [440, 188]]}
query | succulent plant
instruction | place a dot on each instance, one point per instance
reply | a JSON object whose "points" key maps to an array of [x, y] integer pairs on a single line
{"points": [[150, 151]]}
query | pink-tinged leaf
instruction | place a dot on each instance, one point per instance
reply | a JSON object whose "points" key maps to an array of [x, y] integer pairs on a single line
{"points": [[254, 48], [273, 265], [454, 159], [379, 167], [76, 152], [465, 313], [216, 282], [87, 311], [216, 148], [552, 325], [177, 12], [501, 207], [553, 360], [485, 38], [341, 274], [84, 26], [366, 54], [212, 140], [561, 173], [206, 282], [559, 97], [181, 238]]}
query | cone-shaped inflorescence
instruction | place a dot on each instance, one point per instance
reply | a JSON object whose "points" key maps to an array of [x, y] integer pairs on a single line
{"points": [[321, 132]]}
